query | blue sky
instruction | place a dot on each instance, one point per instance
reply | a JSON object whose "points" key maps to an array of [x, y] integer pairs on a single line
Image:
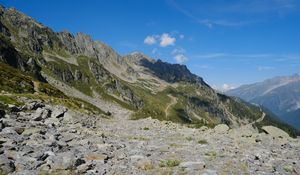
{"points": [[227, 42]]}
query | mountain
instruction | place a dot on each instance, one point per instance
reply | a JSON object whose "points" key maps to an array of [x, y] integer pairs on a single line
{"points": [[281, 95], [71, 105], [131, 85]]}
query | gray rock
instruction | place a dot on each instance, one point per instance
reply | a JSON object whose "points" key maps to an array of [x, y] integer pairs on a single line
{"points": [[58, 112], [33, 105], [221, 128], [6, 165], [65, 160], [275, 132], [192, 165], [209, 172], [52, 121], [40, 114]]}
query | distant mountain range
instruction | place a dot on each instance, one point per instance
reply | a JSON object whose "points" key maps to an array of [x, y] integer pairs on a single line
{"points": [[281, 95], [93, 72]]}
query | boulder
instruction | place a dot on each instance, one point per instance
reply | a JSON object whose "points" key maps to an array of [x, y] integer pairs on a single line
{"points": [[275, 132], [40, 114], [7, 166], [58, 112], [33, 105], [221, 128]]}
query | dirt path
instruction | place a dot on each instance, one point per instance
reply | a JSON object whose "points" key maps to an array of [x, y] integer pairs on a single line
{"points": [[259, 120], [173, 102], [36, 86]]}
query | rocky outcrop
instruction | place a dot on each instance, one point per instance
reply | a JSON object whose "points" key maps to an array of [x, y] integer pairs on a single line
{"points": [[43, 138], [171, 72]]}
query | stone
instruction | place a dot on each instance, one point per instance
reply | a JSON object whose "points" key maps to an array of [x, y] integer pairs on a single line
{"points": [[192, 165], [221, 128], [6, 165], [19, 130], [64, 160], [13, 108], [33, 105], [275, 132], [40, 114], [203, 128], [210, 172], [45, 155], [52, 121], [58, 112]]}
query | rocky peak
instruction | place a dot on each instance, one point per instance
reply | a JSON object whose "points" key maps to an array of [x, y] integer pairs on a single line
{"points": [[136, 57], [171, 72]]}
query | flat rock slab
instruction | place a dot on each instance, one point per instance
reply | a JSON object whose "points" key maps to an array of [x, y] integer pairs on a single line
{"points": [[275, 132], [221, 128]]}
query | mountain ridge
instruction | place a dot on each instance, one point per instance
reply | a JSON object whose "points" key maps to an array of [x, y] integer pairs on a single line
{"points": [[134, 81], [278, 94]]}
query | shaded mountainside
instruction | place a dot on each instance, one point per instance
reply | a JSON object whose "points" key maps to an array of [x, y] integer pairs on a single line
{"points": [[147, 87], [281, 95]]}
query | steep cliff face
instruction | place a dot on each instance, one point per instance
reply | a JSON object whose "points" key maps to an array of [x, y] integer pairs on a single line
{"points": [[149, 87]]}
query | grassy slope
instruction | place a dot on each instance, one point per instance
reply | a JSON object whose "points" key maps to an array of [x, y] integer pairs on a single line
{"points": [[17, 83]]}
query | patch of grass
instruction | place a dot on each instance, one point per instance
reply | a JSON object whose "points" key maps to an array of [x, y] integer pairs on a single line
{"points": [[58, 172], [146, 129], [2, 172], [211, 154], [189, 138], [15, 81], [175, 145], [202, 142], [71, 103], [288, 168], [169, 163], [172, 163], [6, 99], [140, 138]]}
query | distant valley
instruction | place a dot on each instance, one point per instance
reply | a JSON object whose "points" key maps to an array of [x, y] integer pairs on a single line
{"points": [[281, 95]]}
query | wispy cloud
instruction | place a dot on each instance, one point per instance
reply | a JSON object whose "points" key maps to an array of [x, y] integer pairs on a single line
{"points": [[179, 55], [180, 58], [203, 66], [235, 13], [149, 40], [276, 57], [265, 68]]}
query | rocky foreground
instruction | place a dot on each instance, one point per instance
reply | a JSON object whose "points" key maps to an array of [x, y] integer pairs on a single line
{"points": [[46, 139]]}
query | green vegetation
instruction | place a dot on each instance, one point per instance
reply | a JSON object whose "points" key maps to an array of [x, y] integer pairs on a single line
{"points": [[2, 172], [169, 163], [211, 154], [146, 128], [271, 119], [13, 80], [4, 99], [202, 141], [189, 138], [175, 145], [20, 84]]}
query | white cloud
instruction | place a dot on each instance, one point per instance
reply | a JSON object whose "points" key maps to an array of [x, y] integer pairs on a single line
{"points": [[166, 40], [178, 50], [225, 87], [154, 51], [265, 68], [150, 40], [180, 58]]}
